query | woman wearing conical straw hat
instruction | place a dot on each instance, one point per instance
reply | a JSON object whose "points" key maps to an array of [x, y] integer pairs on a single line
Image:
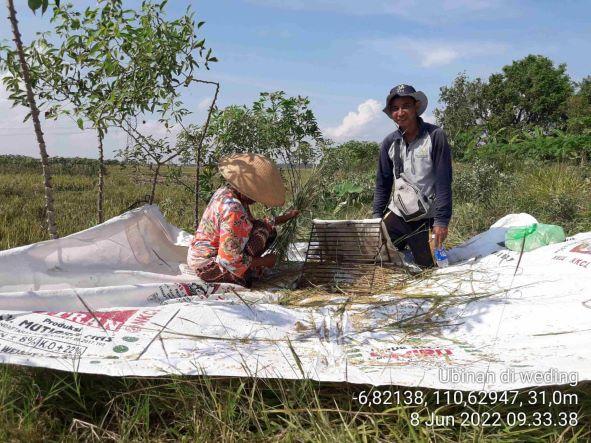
{"points": [[229, 242]]}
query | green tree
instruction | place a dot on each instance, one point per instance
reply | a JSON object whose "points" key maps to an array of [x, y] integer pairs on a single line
{"points": [[464, 114], [529, 92], [113, 64], [284, 128], [584, 89], [198, 152], [148, 150], [159, 151], [579, 113], [24, 75], [579, 108]]}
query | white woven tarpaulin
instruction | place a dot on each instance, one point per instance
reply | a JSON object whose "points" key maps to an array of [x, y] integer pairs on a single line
{"points": [[111, 300]]}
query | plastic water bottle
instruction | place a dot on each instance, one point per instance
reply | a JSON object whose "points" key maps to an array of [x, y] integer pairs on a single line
{"points": [[441, 257]]}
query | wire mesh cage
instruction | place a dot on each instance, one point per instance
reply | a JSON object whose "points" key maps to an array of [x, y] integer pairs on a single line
{"points": [[344, 254]]}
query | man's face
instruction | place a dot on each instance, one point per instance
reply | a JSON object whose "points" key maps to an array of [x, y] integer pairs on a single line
{"points": [[404, 110]]}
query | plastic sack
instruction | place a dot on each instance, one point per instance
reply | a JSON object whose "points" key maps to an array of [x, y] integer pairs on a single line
{"points": [[536, 235]]}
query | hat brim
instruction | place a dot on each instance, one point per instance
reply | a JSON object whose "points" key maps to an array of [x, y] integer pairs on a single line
{"points": [[418, 96], [254, 176]]}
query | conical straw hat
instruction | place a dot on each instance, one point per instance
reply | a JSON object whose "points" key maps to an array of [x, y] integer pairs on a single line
{"points": [[255, 176]]}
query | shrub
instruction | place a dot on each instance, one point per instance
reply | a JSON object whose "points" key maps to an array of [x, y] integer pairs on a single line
{"points": [[565, 147], [344, 190], [555, 194], [476, 182], [358, 156]]}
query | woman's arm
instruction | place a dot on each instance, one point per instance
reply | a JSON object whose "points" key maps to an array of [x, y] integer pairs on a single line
{"points": [[235, 228], [285, 217]]}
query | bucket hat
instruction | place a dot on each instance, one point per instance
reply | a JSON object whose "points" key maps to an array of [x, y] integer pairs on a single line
{"points": [[406, 91], [254, 176]]}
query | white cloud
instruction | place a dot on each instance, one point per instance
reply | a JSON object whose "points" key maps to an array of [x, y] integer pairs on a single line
{"points": [[433, 53], [438, 57], [368, 122]]}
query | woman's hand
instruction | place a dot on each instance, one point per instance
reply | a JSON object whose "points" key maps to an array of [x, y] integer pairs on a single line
{"points": [[268, 261], [286, 216]]}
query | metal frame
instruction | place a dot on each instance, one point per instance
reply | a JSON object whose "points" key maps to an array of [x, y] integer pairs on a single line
{"points": [[340, 253]]}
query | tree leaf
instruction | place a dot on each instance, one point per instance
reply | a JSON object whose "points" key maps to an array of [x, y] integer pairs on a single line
{"points": [[80, 123], [35, 4]]}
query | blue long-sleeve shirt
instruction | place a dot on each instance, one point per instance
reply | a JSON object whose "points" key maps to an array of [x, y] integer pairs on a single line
{"points": [[426, 162]]}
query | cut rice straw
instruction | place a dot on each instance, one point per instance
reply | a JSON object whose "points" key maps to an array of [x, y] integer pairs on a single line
{"points": [[302, 199], [419, 303]]}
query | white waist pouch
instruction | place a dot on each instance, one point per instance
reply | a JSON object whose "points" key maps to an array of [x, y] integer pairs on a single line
{"points": [[409, 199]]}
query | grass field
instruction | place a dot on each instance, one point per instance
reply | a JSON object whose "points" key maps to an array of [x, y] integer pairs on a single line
{"points": [[22, 218], [43, 405]]}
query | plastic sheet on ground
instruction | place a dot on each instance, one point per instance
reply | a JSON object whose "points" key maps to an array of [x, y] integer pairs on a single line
{"points": [[111, 300]]}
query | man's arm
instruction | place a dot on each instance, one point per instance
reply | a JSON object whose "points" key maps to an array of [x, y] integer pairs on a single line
{"points": [[442, 167], [384, 180]]}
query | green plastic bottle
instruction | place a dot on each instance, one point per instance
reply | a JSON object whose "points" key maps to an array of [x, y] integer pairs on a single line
{"points": [[536, 236]]}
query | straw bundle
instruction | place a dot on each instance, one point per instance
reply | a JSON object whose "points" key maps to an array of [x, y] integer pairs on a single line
{"points": [[302, 199]]}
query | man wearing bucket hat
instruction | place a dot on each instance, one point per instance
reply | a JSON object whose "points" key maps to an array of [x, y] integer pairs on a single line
{"points": [[229, 242], [413, 183]]}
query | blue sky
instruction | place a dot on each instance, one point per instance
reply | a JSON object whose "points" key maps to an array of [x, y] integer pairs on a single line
{"points": [[343, 54]]}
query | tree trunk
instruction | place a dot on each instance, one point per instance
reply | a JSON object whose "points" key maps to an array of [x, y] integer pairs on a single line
{"points": [[51, 227], [101, 183], [154, 181], [198, 159]]}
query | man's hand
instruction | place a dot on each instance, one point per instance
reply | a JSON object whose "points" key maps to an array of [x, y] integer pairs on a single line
{"points": [[280, 219], [268, 261], [440, 233]]}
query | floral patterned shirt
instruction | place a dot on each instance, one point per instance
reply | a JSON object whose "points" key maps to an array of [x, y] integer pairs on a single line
{"points": [[223, 232]]}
